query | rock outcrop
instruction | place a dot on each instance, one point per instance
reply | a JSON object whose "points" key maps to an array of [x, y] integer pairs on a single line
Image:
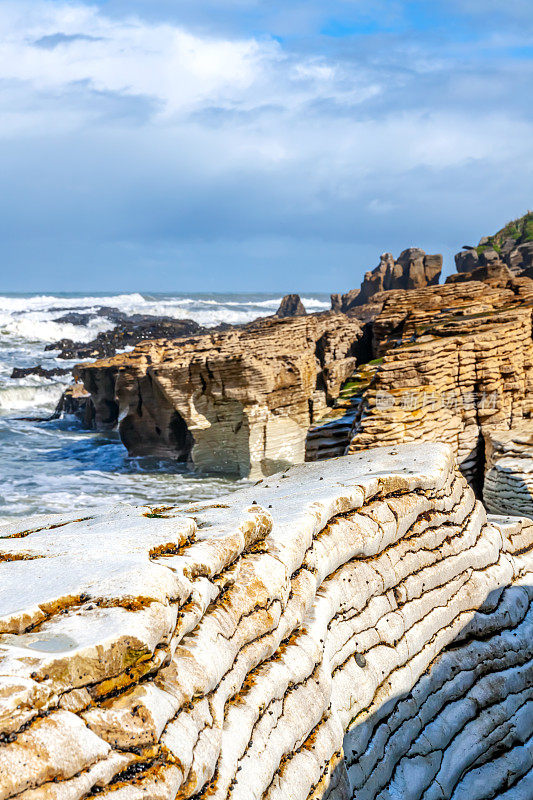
{"points": [[76, 402], [291, 306], [511, 247], [508, 487], [355, 629], [451, 362], [128, 332], [239, 401], [413, 270]]}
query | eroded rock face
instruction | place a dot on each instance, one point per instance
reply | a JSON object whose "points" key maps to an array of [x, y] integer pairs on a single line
{"points": [[452, 362], [291, 306], [508, 487], [414, 269], [239, 401], [349, 629]]}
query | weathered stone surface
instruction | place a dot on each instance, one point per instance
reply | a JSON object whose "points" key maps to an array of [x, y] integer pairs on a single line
{"points": [[356, 628], [452, 362], [508, 487], [413, 270], [291, 306], [239, 401]]}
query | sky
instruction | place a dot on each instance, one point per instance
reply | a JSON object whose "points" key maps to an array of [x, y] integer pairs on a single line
{"points": [[255, 145]]}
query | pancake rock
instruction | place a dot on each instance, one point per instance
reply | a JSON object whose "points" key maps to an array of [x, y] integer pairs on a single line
{"points": [[341, 630], [413, 270], [238, 402], [508, 487], [452, 362]]}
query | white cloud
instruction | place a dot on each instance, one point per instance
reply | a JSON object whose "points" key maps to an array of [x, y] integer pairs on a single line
{"points": [[134, 129]]}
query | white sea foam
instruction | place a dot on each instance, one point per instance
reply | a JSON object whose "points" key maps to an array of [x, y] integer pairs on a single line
{"points": [[36, 398]]}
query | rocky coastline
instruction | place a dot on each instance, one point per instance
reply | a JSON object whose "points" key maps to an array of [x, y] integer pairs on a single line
{"points": [[358, 627], [354, 628], [402, 359]]}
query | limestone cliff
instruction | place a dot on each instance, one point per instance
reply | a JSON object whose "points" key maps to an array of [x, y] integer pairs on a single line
{"points": [[238, 401], [452, 362], [354, 629]]}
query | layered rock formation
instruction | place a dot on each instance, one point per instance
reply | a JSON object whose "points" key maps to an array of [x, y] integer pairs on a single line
{"points": [[239, 401], [508, 487], [351, 629], [414, 269], [452, 362]]}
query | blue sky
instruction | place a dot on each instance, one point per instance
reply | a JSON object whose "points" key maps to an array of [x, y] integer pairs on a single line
{"points": [[204, 145]]}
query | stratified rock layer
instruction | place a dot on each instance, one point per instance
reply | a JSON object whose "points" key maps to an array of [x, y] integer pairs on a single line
{"points": [[508, 487], [454, 361], [239, 401], [351, 629], [413, 269]]}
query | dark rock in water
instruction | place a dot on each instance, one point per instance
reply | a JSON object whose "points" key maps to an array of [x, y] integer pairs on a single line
{"points": [[77, 402], [42, 372], [127, 334], [75, 318], [291, 306]]}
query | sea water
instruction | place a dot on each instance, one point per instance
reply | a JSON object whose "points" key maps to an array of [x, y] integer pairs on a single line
{"points": [[56, 466]]}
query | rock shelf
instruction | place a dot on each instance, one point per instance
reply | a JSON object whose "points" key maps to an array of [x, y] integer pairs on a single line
{"points": [[355, 628]]}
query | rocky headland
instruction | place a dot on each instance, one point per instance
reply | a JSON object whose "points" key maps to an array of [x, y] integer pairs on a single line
{"points": [[357, 628], [402, 359], [239, 401]]}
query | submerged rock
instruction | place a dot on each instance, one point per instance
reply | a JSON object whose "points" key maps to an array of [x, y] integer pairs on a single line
{"points": [[40, 371], [357, 628]]}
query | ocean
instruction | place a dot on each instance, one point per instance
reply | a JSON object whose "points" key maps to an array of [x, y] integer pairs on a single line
{"points": [[55, 466]]}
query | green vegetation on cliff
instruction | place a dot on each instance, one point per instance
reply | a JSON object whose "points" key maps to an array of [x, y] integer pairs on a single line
{"points": [[519, 230]]}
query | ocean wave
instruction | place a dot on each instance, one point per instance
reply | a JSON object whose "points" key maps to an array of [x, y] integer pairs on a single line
{"points": [[45, 302], [36, 398], [34, 329]]}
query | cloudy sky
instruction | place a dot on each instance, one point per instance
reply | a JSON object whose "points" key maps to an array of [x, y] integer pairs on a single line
{"points": [[255, 144]]}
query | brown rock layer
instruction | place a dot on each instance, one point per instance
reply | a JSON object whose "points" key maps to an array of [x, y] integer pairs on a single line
{"points": [[453, 362], [239, 401]]}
